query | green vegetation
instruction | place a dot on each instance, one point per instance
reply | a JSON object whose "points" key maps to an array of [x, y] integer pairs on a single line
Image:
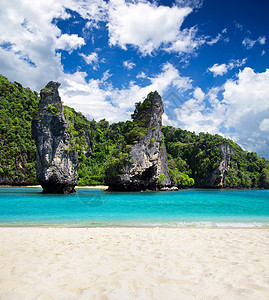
{"points": [[136, 129], [199, 155], [46, 92], [51, 109], [18, 106], [103, 148], [161, 179], [247, 170]]}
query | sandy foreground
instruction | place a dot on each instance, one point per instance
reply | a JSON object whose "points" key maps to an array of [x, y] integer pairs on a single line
{"points": [[134, 263]]}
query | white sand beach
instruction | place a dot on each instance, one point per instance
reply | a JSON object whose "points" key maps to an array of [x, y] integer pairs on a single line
{"points": [[134, 263]]}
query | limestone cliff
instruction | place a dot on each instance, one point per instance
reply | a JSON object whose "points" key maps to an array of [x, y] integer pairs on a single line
{"points": [[56, 164], [147, 166], [219, 175]]}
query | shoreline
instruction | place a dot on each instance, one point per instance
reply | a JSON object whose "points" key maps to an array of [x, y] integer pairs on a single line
{"points": [[99, 187], [133, 263], [106, 187], [186, 227]]}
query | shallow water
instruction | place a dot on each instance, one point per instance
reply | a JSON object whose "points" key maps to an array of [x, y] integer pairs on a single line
{"points": [[191, 207]]}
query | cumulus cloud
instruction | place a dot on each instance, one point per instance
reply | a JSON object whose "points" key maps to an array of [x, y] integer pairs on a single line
{"points": [[112, 103], [219, 70], [239, 110], [249, 43], [29, 43], [198, 94], [149, 27], [69, 42], [128, 64], [29, 54], [31, 57]]}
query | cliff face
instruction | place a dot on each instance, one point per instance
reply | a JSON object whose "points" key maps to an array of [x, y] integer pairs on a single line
{"points": [[219, 175], [147, 167], [56, 164]]}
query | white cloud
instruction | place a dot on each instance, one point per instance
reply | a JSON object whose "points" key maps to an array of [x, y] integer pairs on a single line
{"points": [[94, 11], [69, 42], [219, 70], [214, 40], [264, 126], [28, 29], [141, 75], [149, 27], [31, 57], [112, 103], [239, 110], [186, 41], [32, 38], [190, 3], [198, 94], [91, 59], [249, 43], [262, 40], [128, 64]]}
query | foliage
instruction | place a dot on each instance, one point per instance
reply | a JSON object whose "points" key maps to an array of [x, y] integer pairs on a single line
{"points": [[77, 129], [46, 92], [199, 155], [51, 109], [142, 110], [161, 179], [178, 177], [18, 106], [136, 129]]}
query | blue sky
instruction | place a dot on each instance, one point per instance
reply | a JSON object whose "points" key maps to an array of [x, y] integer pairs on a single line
{"points": [[208, 59]]}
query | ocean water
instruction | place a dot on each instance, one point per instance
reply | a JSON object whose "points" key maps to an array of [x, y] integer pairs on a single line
{"points": [[183, 208]]}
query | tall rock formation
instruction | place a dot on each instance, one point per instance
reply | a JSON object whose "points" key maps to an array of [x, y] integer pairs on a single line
{"points": [[57, 164], [147, 166], [219, 175]]}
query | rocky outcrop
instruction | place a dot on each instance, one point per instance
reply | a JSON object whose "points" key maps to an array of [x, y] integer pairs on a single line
{"points": [[56, 164], [88, 151], [147, 167], [219, 175]]}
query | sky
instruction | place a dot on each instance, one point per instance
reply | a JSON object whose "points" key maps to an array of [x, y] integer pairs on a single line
{"points": [[209, 59]]}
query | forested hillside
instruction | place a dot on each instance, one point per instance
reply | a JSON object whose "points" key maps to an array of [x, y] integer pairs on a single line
{"points": [[18, 106], [192, 159], [199, 155]]}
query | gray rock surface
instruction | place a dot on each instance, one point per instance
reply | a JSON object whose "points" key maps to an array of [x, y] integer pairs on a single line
{"points": [[148, 156], [57, 166], [219, 175]]}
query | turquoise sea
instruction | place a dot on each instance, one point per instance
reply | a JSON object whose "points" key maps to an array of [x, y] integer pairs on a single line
{"points": [[190, 207]]}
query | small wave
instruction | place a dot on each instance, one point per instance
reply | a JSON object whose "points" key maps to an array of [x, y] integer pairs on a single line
{"points": [[201, 224]]}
